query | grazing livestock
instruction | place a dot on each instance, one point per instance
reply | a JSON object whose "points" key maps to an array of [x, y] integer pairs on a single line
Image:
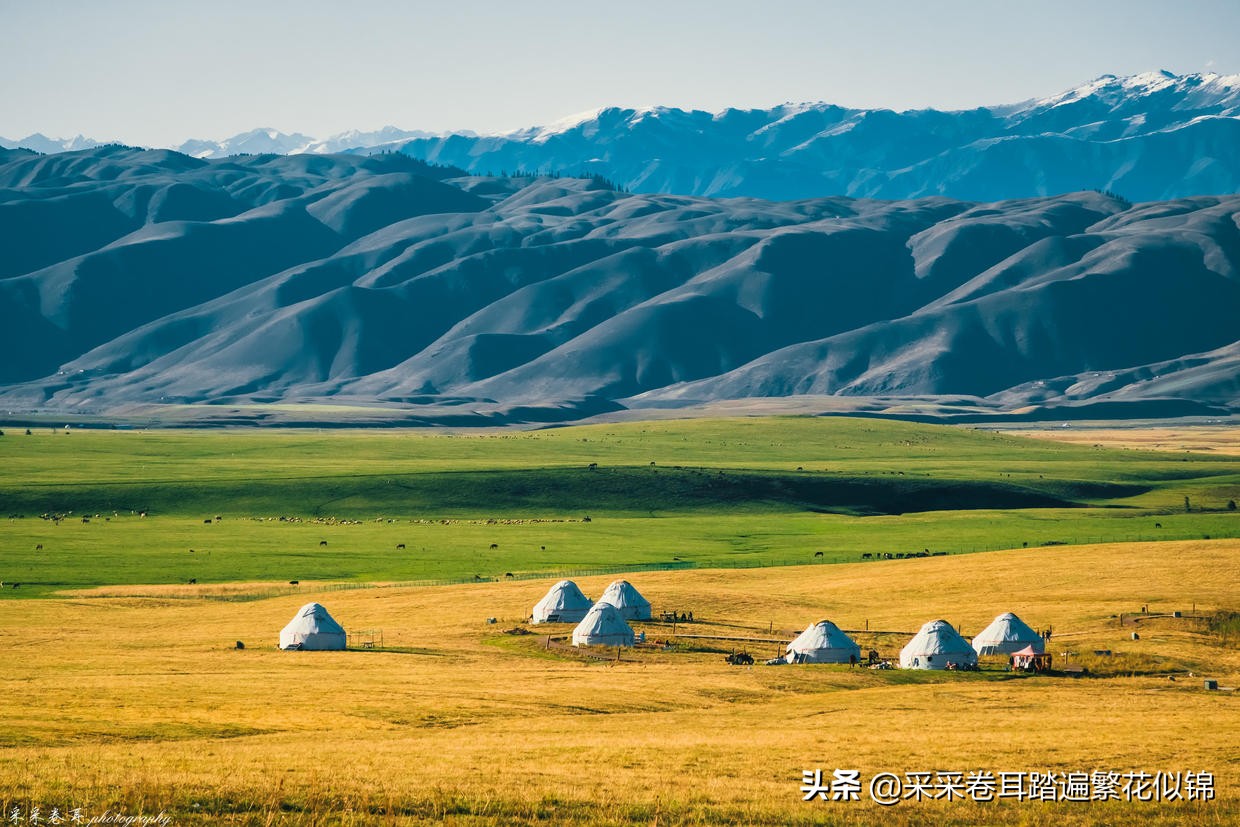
{"points": [[494, 546], [508, 574], [817, 553], [477, 577], [866, 555], [193, 581], [207, 521], [322, 543], [400, 546], [39, 547], [1157, 525], [294, 582]]}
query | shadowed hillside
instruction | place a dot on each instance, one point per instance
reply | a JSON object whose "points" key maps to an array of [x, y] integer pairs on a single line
{"points": [[137, 277]]}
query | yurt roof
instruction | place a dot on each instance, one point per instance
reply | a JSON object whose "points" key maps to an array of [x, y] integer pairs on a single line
{"points": [[603, 620], [822, 635], [622, 593]]}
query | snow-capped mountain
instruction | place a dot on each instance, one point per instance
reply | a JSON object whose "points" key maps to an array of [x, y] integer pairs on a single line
{"points": [[41, 143], [1150, 136], [274, 142], [264, 141], [1147, 137], [255, 142]]}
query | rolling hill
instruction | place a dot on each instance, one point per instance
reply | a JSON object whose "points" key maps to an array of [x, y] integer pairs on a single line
{"points": [[136, 277]]}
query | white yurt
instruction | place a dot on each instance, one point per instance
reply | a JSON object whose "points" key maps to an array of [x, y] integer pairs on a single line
{"points": [[603, 626], [823, 642], [563, 603], [1005, 635], [936, 645], [627, 599], [312, 628]]}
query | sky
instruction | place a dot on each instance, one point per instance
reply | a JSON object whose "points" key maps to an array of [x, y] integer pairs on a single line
{"points": [[158, 73]]}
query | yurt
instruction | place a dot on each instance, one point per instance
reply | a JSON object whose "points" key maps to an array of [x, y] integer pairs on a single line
{"points": [[627, 599], [823, 642], [564, 603], [603, 626], [312, 628], [935, 646], [1005, 635]]}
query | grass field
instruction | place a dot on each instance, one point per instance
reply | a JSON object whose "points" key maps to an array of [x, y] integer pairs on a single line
{"points": [[1219, 439], [745, 492], [142, 705], [122, 689]]}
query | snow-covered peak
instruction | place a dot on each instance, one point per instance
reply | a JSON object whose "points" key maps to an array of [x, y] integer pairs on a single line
{"points": [[41, 143], [556, 127], [1199, 90]]}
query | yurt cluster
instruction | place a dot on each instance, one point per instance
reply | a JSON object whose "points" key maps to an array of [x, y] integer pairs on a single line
{"points": [[605, 622], [937, 645]]}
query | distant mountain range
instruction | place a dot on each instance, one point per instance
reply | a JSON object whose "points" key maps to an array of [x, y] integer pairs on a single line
{"points": [[254, 142], [135, 278], [1154, 136]]}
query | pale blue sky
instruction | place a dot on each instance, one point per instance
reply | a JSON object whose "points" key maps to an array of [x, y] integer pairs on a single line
{"points": [[160, 72]]}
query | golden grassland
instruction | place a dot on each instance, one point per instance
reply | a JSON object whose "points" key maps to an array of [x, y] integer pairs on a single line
{"points": [[1215, 439], [141, 703]]}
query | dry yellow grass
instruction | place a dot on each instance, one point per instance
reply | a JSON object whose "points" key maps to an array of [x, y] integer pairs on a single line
{"points": [[1214, 439], [141, 703]]}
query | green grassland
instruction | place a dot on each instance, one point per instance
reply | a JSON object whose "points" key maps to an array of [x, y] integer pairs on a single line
{"points": [[740, 492]]}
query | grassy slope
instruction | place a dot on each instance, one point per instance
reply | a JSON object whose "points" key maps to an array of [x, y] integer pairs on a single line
{"points": [[721, 492], [141, 704]]}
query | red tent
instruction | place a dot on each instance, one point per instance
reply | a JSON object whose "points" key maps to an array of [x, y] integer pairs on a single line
{"points": [[1030, 660]]}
